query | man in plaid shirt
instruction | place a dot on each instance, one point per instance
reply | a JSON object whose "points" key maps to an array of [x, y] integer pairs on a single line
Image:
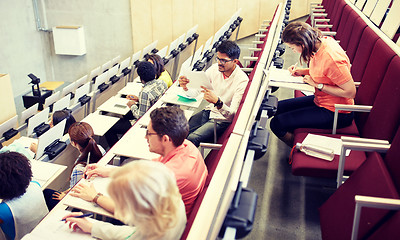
{"points": [[152, 90]]}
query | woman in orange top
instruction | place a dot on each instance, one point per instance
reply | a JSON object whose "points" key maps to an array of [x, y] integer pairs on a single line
{"points": [[328, 72]]}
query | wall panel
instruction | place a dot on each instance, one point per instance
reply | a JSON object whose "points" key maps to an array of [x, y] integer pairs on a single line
{"points": [[162, 22], [141, 14]]}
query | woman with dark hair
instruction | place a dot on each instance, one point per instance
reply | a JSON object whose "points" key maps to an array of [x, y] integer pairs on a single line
{"points": [[23, 205], [81, 136], [60, 115], [158, 64], [328, 71], [57, 117]]}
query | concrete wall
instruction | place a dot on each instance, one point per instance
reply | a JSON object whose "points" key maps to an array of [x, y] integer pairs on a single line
{"points": [[25, 50]]}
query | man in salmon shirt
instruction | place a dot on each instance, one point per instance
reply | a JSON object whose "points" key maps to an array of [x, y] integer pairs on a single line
{"points": [[328, 72], [166, 135]]}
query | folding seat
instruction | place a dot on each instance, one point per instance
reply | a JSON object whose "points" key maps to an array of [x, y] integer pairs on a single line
{"points": [[354, 35], [363, 53], [344, 23], [381, 123], [335, 17], [350, 31], [374, 179]]}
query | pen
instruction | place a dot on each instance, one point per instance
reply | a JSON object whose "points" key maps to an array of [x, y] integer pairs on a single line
{"points": [[295, 66], [80, 216]]}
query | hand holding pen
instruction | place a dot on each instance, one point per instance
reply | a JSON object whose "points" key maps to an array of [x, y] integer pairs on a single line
{"points": [[293, 70], [79, 221]]}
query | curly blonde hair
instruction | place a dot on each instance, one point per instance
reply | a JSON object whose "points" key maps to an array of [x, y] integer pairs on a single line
{"points": [[146, 196]]}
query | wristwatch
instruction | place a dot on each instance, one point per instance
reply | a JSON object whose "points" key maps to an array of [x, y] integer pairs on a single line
{"points": [[218, 104], [97, 197], [320, 86]]}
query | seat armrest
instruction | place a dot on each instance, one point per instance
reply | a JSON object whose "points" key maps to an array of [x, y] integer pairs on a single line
{"points": [[320, 14], [357, 84], [328, 33], [371, 202], [363, 140], [255, 49], [250, 58], [246, 70], [350, 108], [323, 25], [320, 20], [260, 35], [212, 146], [366, 145], [318, 10]]}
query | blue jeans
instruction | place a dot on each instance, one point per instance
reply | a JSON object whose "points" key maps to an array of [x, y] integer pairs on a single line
{"points": [[303, 113], [201, 128]]}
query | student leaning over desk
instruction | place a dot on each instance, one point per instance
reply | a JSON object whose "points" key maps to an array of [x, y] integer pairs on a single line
{"points": [[23, 205], [81, 136], [328, 72], [145, 196], [165, 135]]}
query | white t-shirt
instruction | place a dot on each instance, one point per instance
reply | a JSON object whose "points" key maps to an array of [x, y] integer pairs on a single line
{"points": [[28, 210]]}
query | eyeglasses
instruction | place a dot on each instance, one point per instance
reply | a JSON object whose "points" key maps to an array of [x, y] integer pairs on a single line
{"points": [[149, 133], [223, 61]]}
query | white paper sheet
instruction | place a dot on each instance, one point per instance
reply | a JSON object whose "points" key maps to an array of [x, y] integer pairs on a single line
{"points": [[197, 79], [326, 142], [53, 228], [101, 185], [283, 75]]}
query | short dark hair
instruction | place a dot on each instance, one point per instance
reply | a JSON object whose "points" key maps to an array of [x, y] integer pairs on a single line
{"points": [[230, 48], [15, 175], [146, 71], [158, 63], [60, 115], [303, 35], [170, 121]]}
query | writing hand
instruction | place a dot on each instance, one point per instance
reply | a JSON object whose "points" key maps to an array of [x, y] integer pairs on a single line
{"points": [[93, 170], [85, 191], [209, 95], [183, 81], [133, 97], [78, 223], [33, 147], [294, 70]]}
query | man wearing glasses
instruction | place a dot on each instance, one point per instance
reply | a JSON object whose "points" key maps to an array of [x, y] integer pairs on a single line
{"points": [[228, 82]]}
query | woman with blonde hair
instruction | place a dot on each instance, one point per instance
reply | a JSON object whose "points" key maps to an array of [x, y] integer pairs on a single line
{"points": [[146, 196]]}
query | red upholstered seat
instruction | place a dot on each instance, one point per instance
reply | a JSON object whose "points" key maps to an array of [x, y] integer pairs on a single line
{"points": [[336, 214], [353, 35], [374, 178], [364, 49]]}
